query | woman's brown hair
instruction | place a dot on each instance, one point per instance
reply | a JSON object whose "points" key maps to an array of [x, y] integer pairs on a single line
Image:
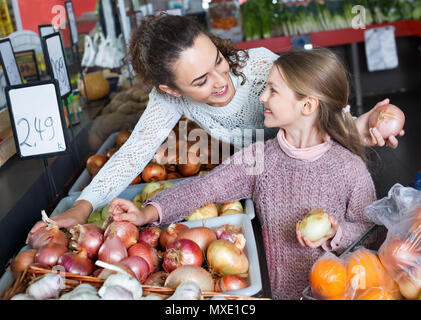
{"points": [[320, 73], [158, 42]]}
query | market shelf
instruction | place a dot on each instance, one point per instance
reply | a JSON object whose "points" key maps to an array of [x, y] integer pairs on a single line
{"points": [[334, 37]]}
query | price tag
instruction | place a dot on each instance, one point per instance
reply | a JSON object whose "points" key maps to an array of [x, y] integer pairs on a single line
{"points": [[124, 21], [45, 30], [37, 119], [56, 62], [72, 22], [8, 62]]}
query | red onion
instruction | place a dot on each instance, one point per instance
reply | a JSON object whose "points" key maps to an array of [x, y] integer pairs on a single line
{"points": [[48, 255], [191, 273], [232, 234], [156, 279], [202, 236], [182, 252], [389, 120], [22, 260], [88, 236], [126, 231], [230, 283], [150, 235], [224, 258], [139, 266], [145, 251], [77, 263], [47, 234], [169, 235], [112, 250]]}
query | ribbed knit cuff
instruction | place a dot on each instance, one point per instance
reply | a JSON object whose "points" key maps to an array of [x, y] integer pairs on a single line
{"points": [[333, 244], [158, 208]]}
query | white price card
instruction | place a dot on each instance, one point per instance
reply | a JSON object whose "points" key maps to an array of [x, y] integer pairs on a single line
{"points": [[45, 30], [8, 62], [72, 22], [37, 119], [56, 62]]}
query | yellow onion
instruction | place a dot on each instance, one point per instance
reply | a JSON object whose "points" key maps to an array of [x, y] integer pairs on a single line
{"points": [[149, 189], [22, 260], [315, 225], [207, 211], [191, 273], [232, 205], [225, 258]]}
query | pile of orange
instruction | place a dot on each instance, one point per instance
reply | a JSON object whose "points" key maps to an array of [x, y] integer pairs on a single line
{"points": [[360, 276]]}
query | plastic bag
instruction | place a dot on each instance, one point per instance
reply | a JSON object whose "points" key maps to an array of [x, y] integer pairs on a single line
{"points": [[400, 253], [358, 275]]}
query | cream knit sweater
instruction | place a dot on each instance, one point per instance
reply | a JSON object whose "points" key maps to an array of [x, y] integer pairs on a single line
{"points": [[162, 114]]}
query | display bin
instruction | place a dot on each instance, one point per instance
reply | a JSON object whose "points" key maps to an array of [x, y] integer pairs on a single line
{"points": [[306, 295], [85, 178]]}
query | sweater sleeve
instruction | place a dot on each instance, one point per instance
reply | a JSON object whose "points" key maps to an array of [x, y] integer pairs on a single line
{"points": [[233, 180], [355, 223], [159, 118]]}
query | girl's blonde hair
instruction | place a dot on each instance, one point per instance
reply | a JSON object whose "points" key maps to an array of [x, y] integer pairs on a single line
{"points": [[320, 73]]}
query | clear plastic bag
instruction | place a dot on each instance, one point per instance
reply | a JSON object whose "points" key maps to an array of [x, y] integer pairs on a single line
{"points": [[400, 253]]}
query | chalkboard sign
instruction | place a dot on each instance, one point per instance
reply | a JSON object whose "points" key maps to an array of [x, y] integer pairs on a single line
{"points": [[45, 30], [56, 62], [28, 66], [37, 119], [74, 35], [8, 62]]}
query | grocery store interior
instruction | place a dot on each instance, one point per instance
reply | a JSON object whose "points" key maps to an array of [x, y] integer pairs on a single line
{"points": [[377, 41]]}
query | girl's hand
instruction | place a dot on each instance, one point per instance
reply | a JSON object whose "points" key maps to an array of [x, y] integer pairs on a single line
{"points": [[315, 244], [126, 210], [371, 136]]}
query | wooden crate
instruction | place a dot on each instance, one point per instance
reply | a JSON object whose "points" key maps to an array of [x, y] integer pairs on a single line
{"points": [[7, 142]]}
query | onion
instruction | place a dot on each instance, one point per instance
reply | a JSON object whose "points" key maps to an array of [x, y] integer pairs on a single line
{"points": [[202, 236], [112, 250], [111, 152], [48, 255], [230, 282], [207, 211], [182, 252], [121, 138], [139, 266], [191, 167], [229, 212], [233, 205], [410, 284], [126, 231], [136, 180], [151, 236], [154, 172], [171, 233], [95, 163], [191, 273], [396, 254], [232, 234], [174, 175], [47, 234], [88, 236], [148, 189], [22, 260], [224, 258], [389, 120], [146, 252], [77, 263], [157, 279], [315, 225]]}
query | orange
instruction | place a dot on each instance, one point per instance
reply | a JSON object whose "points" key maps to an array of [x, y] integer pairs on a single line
{"points": [[365, 270], [375, 293], [328, 277]]}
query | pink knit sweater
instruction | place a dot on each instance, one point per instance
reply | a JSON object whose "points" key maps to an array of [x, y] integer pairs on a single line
{"points": [[283, 193]]}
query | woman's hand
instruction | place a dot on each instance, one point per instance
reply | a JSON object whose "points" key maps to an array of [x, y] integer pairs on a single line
{"points": [[371, 136], [126, 210], [315, 244], [77, 214]]}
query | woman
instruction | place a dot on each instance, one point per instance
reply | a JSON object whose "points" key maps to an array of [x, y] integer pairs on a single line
{"points": [[201, 76]]}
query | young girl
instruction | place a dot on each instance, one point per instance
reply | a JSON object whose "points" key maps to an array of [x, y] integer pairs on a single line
{"points": [[316, 160]]}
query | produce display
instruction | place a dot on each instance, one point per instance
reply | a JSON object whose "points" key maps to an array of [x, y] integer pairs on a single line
{"points": [[267, 18], [212, 258]]}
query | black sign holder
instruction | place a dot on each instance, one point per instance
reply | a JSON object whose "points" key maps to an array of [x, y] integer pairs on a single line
{"points": [[64, 95], [52, 189], [7, 40], [75, 47]]}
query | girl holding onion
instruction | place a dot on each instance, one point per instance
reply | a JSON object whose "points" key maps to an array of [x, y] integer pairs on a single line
{"points": [[197, 75]]}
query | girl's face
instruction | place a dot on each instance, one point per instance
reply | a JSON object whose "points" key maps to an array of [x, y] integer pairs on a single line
{"points": [[202, 74], [282, 108]]}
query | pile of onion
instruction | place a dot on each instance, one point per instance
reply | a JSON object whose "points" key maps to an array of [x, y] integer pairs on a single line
{"points": [[388, 120]]}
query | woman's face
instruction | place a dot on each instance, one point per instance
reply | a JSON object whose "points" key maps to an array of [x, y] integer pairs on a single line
{"points": [[282, 108], [202, 74]]}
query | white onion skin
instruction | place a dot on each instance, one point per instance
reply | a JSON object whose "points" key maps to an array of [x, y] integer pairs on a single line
{"points": [[191, 273], [225, 258]]}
